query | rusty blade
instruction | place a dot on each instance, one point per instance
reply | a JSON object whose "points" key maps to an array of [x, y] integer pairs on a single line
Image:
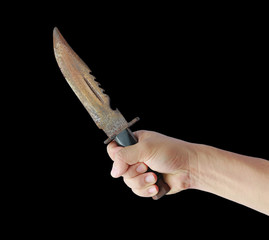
{"points": [[77, 74]]}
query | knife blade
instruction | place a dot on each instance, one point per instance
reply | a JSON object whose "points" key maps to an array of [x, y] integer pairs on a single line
{"points": [[97, 103]]}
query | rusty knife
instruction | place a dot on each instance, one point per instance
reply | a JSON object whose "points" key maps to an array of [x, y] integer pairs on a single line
{"points": [[96, 102]]}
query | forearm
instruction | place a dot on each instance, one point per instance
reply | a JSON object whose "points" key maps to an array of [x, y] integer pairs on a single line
{"points": [[236, 177]]}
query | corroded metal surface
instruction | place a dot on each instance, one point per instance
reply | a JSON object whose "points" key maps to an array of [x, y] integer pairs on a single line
{"points": [[77, 74]]}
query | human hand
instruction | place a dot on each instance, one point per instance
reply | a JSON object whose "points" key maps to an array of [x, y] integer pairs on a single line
{"points": [[169, 156]]}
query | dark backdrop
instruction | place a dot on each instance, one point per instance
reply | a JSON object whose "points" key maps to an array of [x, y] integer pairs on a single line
{"points": [[195, 75]]}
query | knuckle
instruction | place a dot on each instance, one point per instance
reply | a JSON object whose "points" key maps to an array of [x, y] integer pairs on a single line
{"points": [[139, 192], [121, 155], [126, 181]]}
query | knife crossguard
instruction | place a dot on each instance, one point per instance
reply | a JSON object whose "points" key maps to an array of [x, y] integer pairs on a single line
{"points": [[112, 122], [110, 139]]}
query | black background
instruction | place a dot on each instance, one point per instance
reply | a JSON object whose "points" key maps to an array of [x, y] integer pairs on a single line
{"points": [[197, 73]]}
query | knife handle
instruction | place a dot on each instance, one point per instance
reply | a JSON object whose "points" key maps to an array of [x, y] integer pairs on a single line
{"points": [[127, 138]]}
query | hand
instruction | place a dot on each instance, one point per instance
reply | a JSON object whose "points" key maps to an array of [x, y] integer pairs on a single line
{"points": [[169, 156]]}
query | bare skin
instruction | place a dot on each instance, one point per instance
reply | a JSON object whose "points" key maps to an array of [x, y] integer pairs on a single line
{"points": [[185, 165]]}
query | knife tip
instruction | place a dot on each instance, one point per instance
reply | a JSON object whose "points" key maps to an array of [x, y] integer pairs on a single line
{"points": [[55, 32], [57, 37]]}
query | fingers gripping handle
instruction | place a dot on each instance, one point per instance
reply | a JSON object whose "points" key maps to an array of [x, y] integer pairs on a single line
{"points": [[127, 138]]}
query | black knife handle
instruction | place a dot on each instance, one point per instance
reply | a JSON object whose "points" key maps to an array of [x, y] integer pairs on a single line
{"points": [[127, 138]]}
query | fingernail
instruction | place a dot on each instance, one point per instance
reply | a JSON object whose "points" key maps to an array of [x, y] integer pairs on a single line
{"points": [[152, 190], [150, 179], [114, 172], [141, 168]]}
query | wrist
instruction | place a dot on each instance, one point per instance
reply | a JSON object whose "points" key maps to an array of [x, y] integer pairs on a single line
{"points": [[202, 155]]}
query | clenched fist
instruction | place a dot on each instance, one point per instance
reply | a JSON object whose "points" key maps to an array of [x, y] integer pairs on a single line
{"points": [[163, 154]]}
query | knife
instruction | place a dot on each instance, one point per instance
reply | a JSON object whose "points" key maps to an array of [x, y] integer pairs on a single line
{"points": [[96, 102]]}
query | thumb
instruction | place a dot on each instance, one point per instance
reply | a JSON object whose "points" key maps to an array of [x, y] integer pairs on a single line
{"points": [[119, 168], [129, 154], [122, 157]]}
